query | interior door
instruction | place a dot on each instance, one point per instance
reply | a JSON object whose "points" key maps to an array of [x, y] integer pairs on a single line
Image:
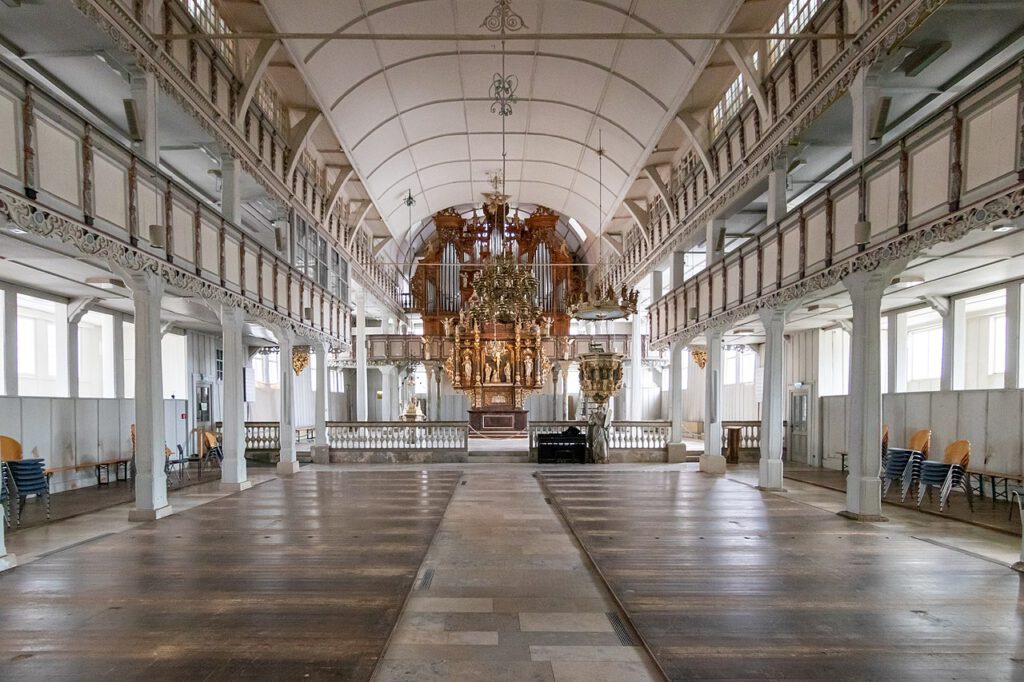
{"points": [[798, 433]]}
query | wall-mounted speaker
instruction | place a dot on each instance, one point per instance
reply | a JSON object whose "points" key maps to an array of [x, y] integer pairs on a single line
{"points": [[131, 114], [158, 236], [862, 232], [880, 118]]}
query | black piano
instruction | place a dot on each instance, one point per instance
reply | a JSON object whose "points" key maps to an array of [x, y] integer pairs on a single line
{"points": [[567, 447]]}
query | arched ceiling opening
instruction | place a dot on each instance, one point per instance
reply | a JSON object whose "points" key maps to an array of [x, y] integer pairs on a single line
{"points": [[416, 115]]}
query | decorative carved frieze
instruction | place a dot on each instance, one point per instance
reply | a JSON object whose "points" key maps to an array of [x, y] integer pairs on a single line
{"points": [[44, 222], [1007, 206]]}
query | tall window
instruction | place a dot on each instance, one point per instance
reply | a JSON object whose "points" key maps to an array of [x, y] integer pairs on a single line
{"points": [[209, 20], [794, 18], [981, 362], [128, 329], [96, 356], [923, 347], [267, 369], [738, 366], [729, 105], [42, 347], [834, 362], [174, 364], [310, 253], [3, 340]]}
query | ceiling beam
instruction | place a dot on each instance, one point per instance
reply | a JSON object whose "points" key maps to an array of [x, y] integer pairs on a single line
{"points": [[616, 241], [379, 243], [698, 136], [253, 75], [659, 184], [299, 135], [489, 37], [750, 76], [640, 215], [345, 174], [363, 210], [78, 307]]}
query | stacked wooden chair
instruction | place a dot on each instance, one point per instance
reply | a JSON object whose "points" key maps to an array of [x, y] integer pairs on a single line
{"points": [[29, 476], [904, 464], [947, 475]]}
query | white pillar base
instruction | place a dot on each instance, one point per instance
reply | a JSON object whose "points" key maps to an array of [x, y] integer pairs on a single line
{"points": [[869, 497], [229, 487], [712, 464], [676, 453], [770, 475], [1019, 566], [8, 561], [321, 454], [287, 468], [149, 514]]}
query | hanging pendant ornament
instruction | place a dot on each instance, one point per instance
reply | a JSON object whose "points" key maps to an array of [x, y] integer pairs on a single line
{"points": [[503, 19]]}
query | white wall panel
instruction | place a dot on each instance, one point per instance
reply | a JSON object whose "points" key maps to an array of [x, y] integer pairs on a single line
{"points": [[929, 176], [57, 155], [10, 124], [988, 154], [109, 182]]}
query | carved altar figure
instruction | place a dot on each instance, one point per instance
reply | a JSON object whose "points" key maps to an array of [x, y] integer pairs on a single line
{"points": [[488, 371], [528, 368], [467, 368], [508, 372], [598, 426]]}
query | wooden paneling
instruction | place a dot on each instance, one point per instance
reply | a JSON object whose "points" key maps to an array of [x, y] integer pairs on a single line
{"points": [[10, 143]]}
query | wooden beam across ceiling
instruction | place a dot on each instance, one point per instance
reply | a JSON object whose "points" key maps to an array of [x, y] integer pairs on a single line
{"points": [[489, 37]]}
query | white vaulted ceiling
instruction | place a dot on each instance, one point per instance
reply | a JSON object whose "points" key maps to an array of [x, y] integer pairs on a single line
{"points": [[415, 115]]}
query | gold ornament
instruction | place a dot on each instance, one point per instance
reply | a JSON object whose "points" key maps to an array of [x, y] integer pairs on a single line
{"points": [[300, 359], [699, 355]]}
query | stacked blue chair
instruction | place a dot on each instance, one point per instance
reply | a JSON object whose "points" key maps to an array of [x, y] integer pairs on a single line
{"points": [[904, 464], [29, 478], [948, 474], [5, 495]]}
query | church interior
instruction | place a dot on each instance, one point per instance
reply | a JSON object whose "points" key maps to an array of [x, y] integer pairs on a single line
{"points": [[540, 340]]}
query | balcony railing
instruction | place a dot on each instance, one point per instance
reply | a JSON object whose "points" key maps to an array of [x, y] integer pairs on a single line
{"points": [[623, 435], [398, 436]]}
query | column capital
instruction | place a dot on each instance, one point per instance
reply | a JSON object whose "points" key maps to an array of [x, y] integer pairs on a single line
{"points": [[862, 284]]}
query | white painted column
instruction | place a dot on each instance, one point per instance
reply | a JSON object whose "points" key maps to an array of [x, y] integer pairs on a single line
{"points": [[715, 238], [438, 375], [362, 405], [777, 202], [678, 268], [636, 369], [676, 367], [1013, 346], [150, 481], [556, 370], [564, 412], [230, 194], [10, 357], [320, 397], [864, 404], [288, 462], [864, 92], [233, 477], [712, 461], [429, 368], [145, 95], [949, 345], [772, 399]]}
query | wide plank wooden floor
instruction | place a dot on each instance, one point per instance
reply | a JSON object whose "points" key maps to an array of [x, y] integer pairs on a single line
{"points": [[298, 578], [726, 582]]}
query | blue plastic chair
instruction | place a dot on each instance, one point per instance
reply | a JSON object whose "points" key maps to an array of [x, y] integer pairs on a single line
{"points": [[948, 474], [29, 478], [5, 494], [905, 463]]}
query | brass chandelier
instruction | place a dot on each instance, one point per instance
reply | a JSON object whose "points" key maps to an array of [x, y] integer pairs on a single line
{"points": [[602, 303], [504, 291]]}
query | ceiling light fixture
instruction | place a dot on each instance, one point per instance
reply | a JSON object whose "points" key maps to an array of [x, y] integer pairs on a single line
{"points": [[602, 304], [104, 282]]}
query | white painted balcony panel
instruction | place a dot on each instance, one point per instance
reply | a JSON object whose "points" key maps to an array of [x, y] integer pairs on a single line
{"points": [[54, 149], [929, 176], [10, 139]]}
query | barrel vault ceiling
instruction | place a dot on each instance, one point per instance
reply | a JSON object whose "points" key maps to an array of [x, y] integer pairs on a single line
{"points": [[416, 115]]}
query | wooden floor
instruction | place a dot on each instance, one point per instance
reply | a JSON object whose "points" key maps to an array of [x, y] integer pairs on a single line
{"points": [[987, 513], [725, 582], [298, 578]]}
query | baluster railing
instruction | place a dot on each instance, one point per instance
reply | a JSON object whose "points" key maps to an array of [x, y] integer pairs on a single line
{"points": [[398, 435]]}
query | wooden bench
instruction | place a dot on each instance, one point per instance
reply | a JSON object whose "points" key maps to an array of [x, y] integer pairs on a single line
{"points": [[100, 467], [995, 478]]}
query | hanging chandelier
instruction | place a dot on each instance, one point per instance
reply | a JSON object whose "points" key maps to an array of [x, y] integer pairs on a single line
{"points": [[601, 303], [504, 291]]}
